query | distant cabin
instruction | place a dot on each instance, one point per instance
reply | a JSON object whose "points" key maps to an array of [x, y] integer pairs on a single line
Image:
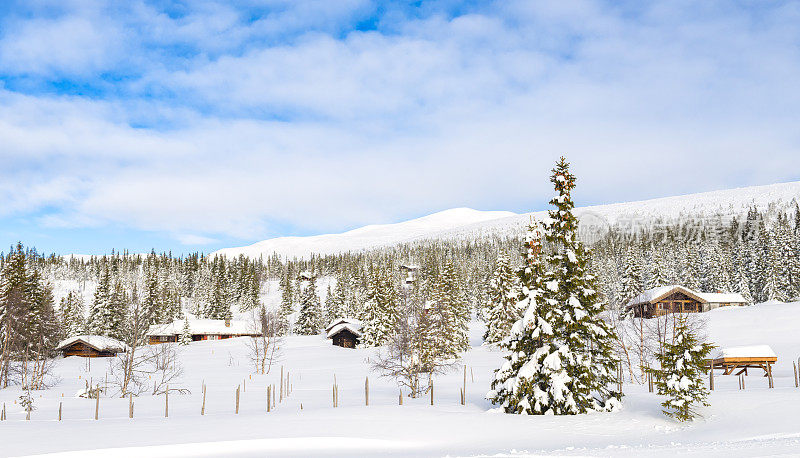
{"points": [[344, 332], [201, 330], [679, 299], [91, 346]]}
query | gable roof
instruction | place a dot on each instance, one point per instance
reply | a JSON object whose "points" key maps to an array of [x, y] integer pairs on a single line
{"points": [[338, 326], [656, 294], [338, 321], [203, 326], [99, 343]]}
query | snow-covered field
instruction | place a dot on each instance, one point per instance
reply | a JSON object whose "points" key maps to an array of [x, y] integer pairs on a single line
{"points": [[755, 422], [465, 223]]}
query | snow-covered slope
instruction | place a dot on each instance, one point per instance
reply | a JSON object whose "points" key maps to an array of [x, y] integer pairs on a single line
{"points": [[368, 236], [467, 223]]}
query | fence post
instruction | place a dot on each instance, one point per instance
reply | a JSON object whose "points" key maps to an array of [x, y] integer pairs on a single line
{"points": [[59, 411], [366, 391], [166, 403], [401, 397], [269, 399], [794, 366], [203, 407], [237, 400], [281, 388], [130, 405], [711, 378], [97, 404], [464, 390], [431, 391]]}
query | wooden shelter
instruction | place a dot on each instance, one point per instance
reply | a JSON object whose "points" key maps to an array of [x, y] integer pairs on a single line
{"points": [[91, 346], [743, 358], [344, 332], [679, 299], [200, 330]]}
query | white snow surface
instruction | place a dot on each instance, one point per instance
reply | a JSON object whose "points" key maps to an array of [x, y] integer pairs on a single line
{"points": [[757, 421], [465, 223], [747, 351]]}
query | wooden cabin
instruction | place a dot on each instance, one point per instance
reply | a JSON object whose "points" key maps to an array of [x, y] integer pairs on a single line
{"points": [[90, 346], [344, 332], [679, 299], [201, 330]]}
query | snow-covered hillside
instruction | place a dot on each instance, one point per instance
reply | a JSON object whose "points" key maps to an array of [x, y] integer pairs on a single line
{"points": [[753, 422], [466, 223], [368, 236]]}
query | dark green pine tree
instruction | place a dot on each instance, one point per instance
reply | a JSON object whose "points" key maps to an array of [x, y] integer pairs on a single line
{"points": [[563, 362], [287, 302], [501, 311], [587, 341], [71, 314], [310, 317], [681, 377], [100, 319], [523, 384]]}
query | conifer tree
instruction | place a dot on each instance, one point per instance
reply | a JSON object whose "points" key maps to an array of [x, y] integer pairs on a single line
{"points": [[186, 332], [287, 302], [100, 315], [681, 375], [71, 313], [380, 308], [502, 311], [566, 348], [310, 317]]}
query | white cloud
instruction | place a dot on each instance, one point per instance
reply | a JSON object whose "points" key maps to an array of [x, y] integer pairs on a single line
{"points": [[320, 133]]}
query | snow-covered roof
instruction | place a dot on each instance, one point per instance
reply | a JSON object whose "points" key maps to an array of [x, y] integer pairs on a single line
{"points": [[337, 326], [723, 297], [656, 294], [750, 351], [203, 326], [99, 343]]}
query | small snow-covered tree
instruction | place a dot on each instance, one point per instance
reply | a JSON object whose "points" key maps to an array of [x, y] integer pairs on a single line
{"points": [[501, 310], [680, 377], [186, 333]]}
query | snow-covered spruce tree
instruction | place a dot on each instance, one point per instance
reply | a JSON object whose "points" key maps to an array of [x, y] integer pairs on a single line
{"points": [[681, 375], [310, 317], [186, 333], [562, 347], [100, 317], [501, 310], [287, 303], [523, 384], [453, 306], [379, 312], [71, 314]]}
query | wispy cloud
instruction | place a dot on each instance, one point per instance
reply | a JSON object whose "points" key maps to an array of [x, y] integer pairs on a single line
{"points": [[221, 121]]}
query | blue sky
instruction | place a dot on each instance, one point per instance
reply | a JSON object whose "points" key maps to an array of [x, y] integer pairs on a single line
{"points": [[190, 126]]}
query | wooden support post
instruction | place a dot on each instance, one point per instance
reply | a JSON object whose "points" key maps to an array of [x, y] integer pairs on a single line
{"points": [[3, 413], [59, 411], [166, 403], [269, 399], [472, 375], [203, 407], [744, 384], [431, 391], [274, 401], [769, 374], [400, 399], [281, 389], [711, 378], [237, 400], [130, 405], [794, 366], [366, 391], [333, 395], [97, 404]]}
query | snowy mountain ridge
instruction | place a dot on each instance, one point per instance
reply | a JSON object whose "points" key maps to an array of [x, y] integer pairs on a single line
{"points": [[465, 223]]}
